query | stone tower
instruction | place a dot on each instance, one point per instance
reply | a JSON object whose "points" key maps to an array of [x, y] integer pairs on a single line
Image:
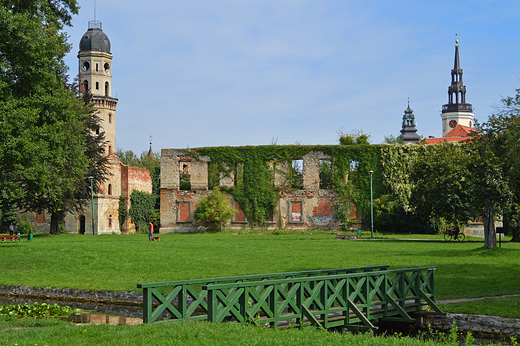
{"points": [[408, 131], [95, 76], [457, 111]]}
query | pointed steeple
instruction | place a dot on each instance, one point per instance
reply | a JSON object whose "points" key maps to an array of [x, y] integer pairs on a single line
{"points": [[408, 131], [457, 90], [456, 111]]}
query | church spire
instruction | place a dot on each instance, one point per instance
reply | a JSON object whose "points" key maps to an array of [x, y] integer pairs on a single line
{"points": [[456, 111], [457, 90]]}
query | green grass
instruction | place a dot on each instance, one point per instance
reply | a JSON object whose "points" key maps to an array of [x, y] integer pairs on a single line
{"points": [[55, 332], [508, 307], [120, 262]]}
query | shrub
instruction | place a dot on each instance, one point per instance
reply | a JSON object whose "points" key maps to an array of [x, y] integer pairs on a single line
{"points": [[214, 211], [25, 227]]}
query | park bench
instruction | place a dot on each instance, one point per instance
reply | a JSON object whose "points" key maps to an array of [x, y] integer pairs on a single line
{"points": [[14, 237]]}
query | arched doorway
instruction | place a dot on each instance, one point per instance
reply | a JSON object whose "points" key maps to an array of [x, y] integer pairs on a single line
{"points": [[82, 224]]}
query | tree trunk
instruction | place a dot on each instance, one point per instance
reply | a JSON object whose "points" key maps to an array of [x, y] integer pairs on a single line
{"points": [[56, 220], [490, 238]]}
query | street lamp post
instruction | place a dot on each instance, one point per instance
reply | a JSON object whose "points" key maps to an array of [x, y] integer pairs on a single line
{"points": [[371, 207], [92, 195]]}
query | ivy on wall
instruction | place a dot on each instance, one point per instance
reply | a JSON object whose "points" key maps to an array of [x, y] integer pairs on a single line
{"points": [[253, 169]]}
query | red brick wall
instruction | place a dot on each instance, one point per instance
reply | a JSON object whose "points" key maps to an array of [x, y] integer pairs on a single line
{"points": [[184, 212]]}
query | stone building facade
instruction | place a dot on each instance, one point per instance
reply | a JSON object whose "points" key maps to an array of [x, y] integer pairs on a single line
{"points": [[307, 208]]}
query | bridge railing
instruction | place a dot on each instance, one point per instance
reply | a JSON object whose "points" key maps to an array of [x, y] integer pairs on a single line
{"points": [[325, 301], [187, 299]]}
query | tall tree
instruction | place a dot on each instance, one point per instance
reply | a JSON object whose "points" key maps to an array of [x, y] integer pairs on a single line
{"points": [[501, 135], [460, 182], [43, 153]]}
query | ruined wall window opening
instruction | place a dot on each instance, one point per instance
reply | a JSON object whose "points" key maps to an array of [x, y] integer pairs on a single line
{"points": [[213, 176], [354, 165], [106, 89], [239, 216], [110, 189], [326, 174], [184, 175], [297, 174], [239, 175]]}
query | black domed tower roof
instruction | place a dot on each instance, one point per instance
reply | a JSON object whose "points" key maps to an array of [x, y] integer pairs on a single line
{"points": [[94, 39]]}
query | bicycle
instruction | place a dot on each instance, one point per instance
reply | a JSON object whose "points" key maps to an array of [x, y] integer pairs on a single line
{"points": [[452, 235]]}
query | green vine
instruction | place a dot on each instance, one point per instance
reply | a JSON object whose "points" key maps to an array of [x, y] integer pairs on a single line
{"points": [[253, 169]]}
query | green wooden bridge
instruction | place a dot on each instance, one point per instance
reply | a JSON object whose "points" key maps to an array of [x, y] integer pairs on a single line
{"points": [[355, 298]]}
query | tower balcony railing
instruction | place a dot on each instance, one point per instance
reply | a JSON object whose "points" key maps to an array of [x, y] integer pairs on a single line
{"points": [[457, 107], [94, 24]]}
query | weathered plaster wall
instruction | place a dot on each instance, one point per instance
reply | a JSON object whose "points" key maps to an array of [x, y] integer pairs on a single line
{"points": [[310, 207]]}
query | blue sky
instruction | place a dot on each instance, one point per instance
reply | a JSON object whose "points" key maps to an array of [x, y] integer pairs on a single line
{"points": [[245, 72]]}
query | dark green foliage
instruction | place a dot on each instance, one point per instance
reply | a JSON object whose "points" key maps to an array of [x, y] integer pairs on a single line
{"points": [[46, 151], [141, 209], [122, 213], [8, 216], [214, 211], [390, 217]]}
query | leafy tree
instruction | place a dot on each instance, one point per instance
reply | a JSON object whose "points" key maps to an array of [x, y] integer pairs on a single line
{"points": [[501, 135], [128, 158], [393, 140], [214, 211], [141, 209], [460, 183], [43, 127], [354, 137]]}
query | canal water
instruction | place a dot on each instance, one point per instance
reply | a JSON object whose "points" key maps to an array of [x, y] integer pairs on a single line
{"points": [[107, 309]]}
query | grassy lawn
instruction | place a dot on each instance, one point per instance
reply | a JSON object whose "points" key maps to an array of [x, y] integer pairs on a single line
{"points": [[120, 262], [55, 332]]}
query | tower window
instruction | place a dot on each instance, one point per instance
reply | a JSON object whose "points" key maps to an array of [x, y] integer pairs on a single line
{"points": [[110, 189], [110, 118], [86, 66], [85, 86], [97, 67], [109, 149], [106, 88], [107, 66], [97, 85]]}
